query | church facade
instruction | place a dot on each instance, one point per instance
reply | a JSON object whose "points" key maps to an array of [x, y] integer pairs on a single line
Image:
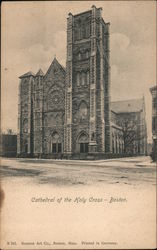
{"points": [[66, 112]]}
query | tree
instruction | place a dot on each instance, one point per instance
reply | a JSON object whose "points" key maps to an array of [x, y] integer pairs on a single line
{"points": [[131, 134]]}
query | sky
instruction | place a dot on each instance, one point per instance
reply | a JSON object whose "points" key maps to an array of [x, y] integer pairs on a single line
{"points": [[34, 32]]}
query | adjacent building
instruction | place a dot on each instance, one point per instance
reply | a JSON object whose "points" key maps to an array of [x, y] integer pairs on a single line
{"points": [[153, 91], [129, 130], [8, 145]]}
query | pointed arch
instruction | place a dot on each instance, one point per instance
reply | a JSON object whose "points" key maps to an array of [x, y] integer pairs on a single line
{"points": [[56, 143], [83, 136], [83, 141]]}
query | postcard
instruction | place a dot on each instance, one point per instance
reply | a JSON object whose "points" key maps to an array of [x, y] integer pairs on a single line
{"points": [[78, 125]]}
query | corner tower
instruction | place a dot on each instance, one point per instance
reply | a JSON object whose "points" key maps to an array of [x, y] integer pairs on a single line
{"points": [[38, 113], [25, 114], [87, 98]]}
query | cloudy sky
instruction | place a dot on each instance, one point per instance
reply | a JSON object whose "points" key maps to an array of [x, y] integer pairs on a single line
{"points": [[34, 32]]}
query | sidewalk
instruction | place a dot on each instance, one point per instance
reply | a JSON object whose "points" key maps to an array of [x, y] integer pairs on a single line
{"points": [[147, 163]]}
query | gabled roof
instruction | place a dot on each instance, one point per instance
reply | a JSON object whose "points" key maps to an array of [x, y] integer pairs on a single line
{"points": [[54, 64], [127, 106], [30, 73], [39, 73]]}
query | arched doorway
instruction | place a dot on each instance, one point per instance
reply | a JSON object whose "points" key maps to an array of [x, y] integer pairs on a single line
{"points": [[83, 141], [56, 145]]}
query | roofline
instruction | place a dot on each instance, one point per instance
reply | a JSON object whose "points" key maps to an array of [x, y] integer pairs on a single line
{"points": [[24, 75], [114, 112], [60, 65], [126, 112], [55, 59], [84, 12], [128, 100]]}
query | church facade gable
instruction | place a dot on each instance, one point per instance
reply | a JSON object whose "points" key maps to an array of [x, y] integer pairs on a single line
{"points": [[53, 109]]}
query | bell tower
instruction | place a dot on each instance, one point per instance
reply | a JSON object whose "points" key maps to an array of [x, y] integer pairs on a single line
{"points": [[25, 113], [87, 98]]}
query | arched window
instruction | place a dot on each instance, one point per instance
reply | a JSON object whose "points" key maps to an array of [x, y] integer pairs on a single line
{"points": [[37, 101], [25, 107], [113, 146], [57, 118], [83, 111], [83, 141], [116, 145], [78, 29], [79, 56], [87, 30], [87, 77], [45, 121], [25, 125], [83, 31], [56, 143], [119, 147], [78, 79], [83, 80], [87, 54], [79, 33], [122, 147]]}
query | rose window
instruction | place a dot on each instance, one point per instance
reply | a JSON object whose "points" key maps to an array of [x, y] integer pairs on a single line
{"points": [[55, 99]]}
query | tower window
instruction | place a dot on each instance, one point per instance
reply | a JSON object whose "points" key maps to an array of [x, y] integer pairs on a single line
{"points": [[37, 103], [79, 33], [83, 32], [87, 30], [83, 75], [78, 79], [87, 54], [79, 56], [87, 77], [83, 111]]}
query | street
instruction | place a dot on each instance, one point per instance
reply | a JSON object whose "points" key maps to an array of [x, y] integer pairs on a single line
{"points": [[48, 204], [127, 171]]}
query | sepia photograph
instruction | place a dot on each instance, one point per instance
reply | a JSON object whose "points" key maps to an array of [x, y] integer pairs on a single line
{"points": [[78, 149]]}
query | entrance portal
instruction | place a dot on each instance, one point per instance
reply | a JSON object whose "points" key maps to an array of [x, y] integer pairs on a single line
{"points": [[83, 147], [83, 142]]}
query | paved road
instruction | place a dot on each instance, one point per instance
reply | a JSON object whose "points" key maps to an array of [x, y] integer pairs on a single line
{"points": [[127, 171]]}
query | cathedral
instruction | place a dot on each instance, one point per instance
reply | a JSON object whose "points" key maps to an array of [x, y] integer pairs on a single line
{"points": [[66, 112]]}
